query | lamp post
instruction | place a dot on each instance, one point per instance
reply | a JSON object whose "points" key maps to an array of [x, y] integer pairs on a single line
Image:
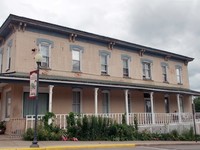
{"points": [[38, 59]]}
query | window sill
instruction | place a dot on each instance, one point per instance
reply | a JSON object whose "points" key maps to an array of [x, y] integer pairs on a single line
{"points": [[76, 71], [45, 68], [180, 83], [7, 69], [126, 77], [147, 79], [166, 82], [103, 74]]}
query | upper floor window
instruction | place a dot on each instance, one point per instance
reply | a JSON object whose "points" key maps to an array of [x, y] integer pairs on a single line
{"points": [[125, 60], [76, 57], [179, 74], [1, 59], [9, 55], [76, 101], [104, 61], [45, 47], [164, 71], [146, 66]]}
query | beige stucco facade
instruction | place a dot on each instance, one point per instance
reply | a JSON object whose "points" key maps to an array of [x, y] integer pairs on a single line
{"points": [[24, 46], [61, 61]]}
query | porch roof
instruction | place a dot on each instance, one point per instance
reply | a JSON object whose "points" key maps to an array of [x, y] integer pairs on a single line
{"points": [[17, 77]]}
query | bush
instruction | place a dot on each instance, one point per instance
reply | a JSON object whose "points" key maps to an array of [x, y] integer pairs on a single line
{"points": [[45, 131], [98, 128], [28, 135]]}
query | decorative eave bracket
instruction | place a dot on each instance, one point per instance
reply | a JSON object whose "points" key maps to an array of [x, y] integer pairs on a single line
{"points": [[111, 45], [186, 62], [72, 37], [22, 26], [166, 58], [141, 52], [2, 39]]}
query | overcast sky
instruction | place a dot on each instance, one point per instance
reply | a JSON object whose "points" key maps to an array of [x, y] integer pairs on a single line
{"points": [[171, 25]]}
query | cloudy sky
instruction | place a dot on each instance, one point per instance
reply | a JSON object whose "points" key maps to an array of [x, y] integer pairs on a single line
{"points": [[171, 25]]}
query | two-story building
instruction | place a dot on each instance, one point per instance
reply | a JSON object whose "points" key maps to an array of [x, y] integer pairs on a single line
{"points": [[89, 74]]}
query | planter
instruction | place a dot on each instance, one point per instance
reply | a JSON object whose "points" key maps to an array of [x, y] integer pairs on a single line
{"points": [[2, 131], [2, 127]]}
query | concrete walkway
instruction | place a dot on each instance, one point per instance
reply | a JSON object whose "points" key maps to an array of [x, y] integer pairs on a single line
{"points": [[62, 145]]}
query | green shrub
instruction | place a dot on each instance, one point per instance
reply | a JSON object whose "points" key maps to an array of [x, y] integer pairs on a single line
{"points": [[124, 118], [45, 131], [28, 135]]}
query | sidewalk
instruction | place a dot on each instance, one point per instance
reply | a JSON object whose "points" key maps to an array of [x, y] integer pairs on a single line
{"points": [[61, 145]]}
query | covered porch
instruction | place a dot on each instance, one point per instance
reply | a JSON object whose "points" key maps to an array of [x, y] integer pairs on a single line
{"points": [[150, 105]]}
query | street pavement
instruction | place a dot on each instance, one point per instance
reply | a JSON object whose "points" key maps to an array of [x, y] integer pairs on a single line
{"points": [[62, 145]]}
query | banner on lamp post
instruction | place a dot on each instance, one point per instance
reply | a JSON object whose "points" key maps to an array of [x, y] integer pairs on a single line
{"points": [[33, 84]]}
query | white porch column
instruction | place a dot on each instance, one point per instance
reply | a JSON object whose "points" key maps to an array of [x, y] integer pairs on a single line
{"points": [[96, 101], [179, 107], [152, 108], [50, 100], [126, 106]]}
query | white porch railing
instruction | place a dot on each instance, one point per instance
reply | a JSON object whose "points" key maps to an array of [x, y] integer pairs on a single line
{"points": [[19, 125], [142, 118]]}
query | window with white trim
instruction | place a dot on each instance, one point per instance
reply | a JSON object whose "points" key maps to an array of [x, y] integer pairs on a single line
{"points": [[104, 64], [8, 58], [181, 104], [76, 60], [29, 104], [45, 47], [8, 104], [126, 62], [104, 61], [147, 99], [166, 102], [179, 74], [76, 101], [125, 68], [105, 101], [146, 66], [76, 57], [164, 71]]}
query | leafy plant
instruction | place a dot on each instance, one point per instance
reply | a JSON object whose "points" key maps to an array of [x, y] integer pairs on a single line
{"points": [[2, 127]]}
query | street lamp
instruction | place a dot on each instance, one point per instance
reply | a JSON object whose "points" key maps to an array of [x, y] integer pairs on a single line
{"points": [[38, 60]]}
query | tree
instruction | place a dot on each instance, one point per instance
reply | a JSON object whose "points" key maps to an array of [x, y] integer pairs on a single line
{"points": [[197, 104]]}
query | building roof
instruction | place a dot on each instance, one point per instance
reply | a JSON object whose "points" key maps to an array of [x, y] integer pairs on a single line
{"points": [[81, 82], [17, 22]]}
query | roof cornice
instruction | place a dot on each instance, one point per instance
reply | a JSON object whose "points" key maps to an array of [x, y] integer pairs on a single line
{"points": [[13, 19]]}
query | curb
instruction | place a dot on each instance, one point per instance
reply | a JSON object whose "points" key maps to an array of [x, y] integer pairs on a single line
{"points": [[158, 144], [75, 147]]}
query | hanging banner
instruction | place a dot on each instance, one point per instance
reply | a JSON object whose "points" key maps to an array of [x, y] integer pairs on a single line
{"points": [[33, 84]]}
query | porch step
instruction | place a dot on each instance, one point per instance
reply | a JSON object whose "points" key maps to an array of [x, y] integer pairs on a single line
{"points": [[5, 137]]}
